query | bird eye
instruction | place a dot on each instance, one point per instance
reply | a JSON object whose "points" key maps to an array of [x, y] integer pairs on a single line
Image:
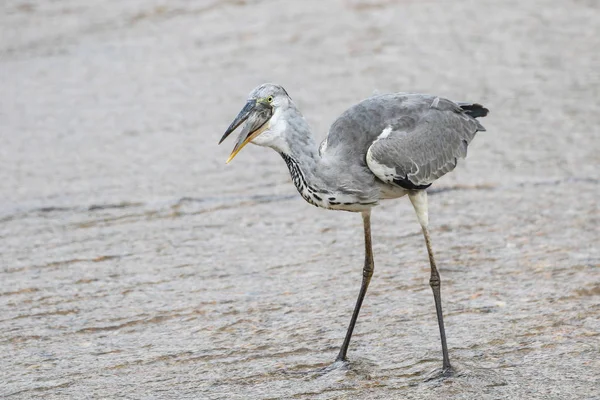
{"points": [[270, 99]]}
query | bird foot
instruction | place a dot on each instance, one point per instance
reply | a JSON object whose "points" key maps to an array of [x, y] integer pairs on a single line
{"points": [[338, 365], [440, 374]]}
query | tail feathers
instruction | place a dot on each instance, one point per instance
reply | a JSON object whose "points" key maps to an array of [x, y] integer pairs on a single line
{"points": [[474, 110]]}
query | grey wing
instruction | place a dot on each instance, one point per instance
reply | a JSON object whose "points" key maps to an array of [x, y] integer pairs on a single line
{"points": [[422, 146]]}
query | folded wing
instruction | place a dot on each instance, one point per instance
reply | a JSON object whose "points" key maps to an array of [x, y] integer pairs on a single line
{"points": [[419, 147]]}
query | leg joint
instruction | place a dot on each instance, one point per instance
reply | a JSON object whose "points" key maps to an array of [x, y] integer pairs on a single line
{"points": [[435, 281]]}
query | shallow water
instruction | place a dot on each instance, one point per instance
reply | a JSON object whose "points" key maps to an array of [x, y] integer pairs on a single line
{"points": [[135, 264]]}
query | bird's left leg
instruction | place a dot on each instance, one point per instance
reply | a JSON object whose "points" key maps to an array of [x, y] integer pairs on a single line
{"points": [[367, 274], [419, 202]]}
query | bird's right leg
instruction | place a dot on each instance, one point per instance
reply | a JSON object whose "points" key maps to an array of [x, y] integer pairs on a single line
{"points": [[419, 202], [367, 274]]}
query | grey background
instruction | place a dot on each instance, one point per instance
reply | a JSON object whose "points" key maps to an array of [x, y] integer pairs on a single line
{"points": [[135, 264]]}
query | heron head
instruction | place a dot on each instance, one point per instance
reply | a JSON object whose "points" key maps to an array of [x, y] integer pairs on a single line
{"points": [[262, 103]]}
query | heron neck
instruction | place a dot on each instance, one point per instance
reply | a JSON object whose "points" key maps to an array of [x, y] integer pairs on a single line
{"points": [[299, 141], [301, 155]]}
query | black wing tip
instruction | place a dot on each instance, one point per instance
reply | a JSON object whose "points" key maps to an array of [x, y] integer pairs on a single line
{"points": [[405, 183], [474, 110]]}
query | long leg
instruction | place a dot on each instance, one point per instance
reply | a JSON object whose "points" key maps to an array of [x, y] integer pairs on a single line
{"points": [[419, 202], [367, 274]]}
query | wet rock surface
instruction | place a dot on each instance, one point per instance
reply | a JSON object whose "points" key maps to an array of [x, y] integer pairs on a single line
{"points": [[135, 264]]}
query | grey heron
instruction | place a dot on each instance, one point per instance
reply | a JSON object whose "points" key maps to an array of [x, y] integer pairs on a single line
{"points": [[384, 147]]}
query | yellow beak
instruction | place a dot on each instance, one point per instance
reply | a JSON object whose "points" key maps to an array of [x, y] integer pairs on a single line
{"points": [[257, 115], [240, 145]]}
